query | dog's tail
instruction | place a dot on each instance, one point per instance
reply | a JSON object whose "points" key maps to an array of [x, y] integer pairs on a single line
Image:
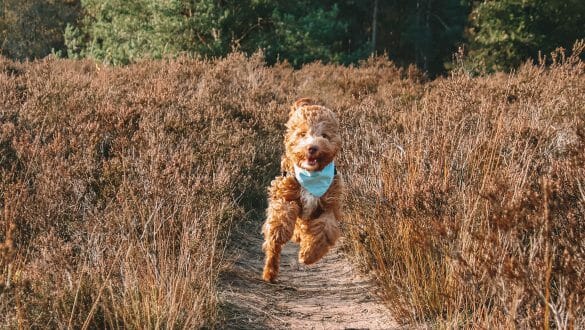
{"points": [[301, 103]]}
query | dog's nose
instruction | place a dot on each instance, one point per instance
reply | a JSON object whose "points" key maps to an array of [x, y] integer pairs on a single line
{"points": [[313, 149]]}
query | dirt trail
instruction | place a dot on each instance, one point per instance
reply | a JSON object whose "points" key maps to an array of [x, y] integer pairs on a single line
{"points": [[327, 295]]}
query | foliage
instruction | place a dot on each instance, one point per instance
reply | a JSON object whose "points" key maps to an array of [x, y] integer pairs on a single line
{"points": [[467, 198], [300, 32], [304, 31], [426, 32], [119, 186], [503, 34], [498, 35], [31, 29], [121, 32]]}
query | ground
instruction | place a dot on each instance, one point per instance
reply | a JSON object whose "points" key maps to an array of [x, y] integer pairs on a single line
{"points": [[330, 294]]}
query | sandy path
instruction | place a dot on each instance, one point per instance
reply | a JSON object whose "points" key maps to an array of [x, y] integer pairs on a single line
{"points": [[327, 295]]}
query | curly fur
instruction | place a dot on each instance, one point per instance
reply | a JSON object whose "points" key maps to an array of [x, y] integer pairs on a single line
{"points": [[312, 141]]}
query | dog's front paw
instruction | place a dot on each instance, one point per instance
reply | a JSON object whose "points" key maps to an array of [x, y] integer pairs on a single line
{"points": [[312, 254], [269, 275]]}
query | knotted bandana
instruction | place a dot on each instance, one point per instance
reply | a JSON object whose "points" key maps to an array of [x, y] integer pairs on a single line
{"points": [[316, 182]]}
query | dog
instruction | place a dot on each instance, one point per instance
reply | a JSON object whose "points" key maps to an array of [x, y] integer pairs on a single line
{"points": [[304, 202]]}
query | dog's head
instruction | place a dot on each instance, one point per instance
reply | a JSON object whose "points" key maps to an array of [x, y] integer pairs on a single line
{"points": [[312, 137]]}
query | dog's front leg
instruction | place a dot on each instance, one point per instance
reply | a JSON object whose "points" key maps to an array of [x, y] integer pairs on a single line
{"points": [[278, 229], [279, 226]]}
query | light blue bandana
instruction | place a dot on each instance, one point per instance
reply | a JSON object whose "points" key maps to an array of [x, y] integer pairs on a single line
{"points": [[316, 182]]}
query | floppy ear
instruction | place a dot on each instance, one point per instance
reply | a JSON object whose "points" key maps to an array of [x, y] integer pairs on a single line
{"points": [[300, 103]]}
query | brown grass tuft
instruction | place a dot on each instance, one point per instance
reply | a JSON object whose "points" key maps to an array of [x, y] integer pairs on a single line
{"points": [[471, 212], [119, 186], [466, 196]]}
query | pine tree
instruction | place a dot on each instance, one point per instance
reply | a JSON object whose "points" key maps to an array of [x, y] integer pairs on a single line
{"points": [[123, 31], [430, 32], [505, 33]]}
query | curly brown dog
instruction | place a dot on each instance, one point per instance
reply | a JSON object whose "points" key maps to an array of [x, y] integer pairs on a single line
{"points": [[304, 202]]}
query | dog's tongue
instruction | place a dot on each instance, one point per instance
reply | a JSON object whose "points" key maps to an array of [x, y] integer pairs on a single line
{"points": [[312, 161]]}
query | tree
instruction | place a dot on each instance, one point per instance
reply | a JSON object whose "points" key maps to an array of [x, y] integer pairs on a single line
{"points": [[505, 33], [424, 32], [302, 32], [34, 28], [120, 31]]}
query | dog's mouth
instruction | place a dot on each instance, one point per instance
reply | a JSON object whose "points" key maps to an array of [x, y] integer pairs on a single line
{"points": [[310, 163]]}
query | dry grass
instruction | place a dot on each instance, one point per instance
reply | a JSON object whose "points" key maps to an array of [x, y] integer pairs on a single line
{"points": [[472, 200], [120, 185]]}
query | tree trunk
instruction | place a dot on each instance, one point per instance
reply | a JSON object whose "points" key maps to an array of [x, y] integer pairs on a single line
{"points": [[374, 26]]}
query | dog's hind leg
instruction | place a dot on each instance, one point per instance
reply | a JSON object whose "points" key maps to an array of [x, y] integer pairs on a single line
{"points": [[278, 229], [317, 237]]}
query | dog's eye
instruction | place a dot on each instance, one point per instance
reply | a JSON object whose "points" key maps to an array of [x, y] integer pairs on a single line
{"points": [[302, 134], [325, 136]]}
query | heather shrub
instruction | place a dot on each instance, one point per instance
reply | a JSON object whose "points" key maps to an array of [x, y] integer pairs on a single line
{"points": [[120, 186], [471, 215]]}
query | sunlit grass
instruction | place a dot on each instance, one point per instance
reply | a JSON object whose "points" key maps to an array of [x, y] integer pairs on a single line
{"points": [[119, 187]]}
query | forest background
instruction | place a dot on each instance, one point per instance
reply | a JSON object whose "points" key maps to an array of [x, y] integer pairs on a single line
{"points": [[123, 188], [493, 35]]}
